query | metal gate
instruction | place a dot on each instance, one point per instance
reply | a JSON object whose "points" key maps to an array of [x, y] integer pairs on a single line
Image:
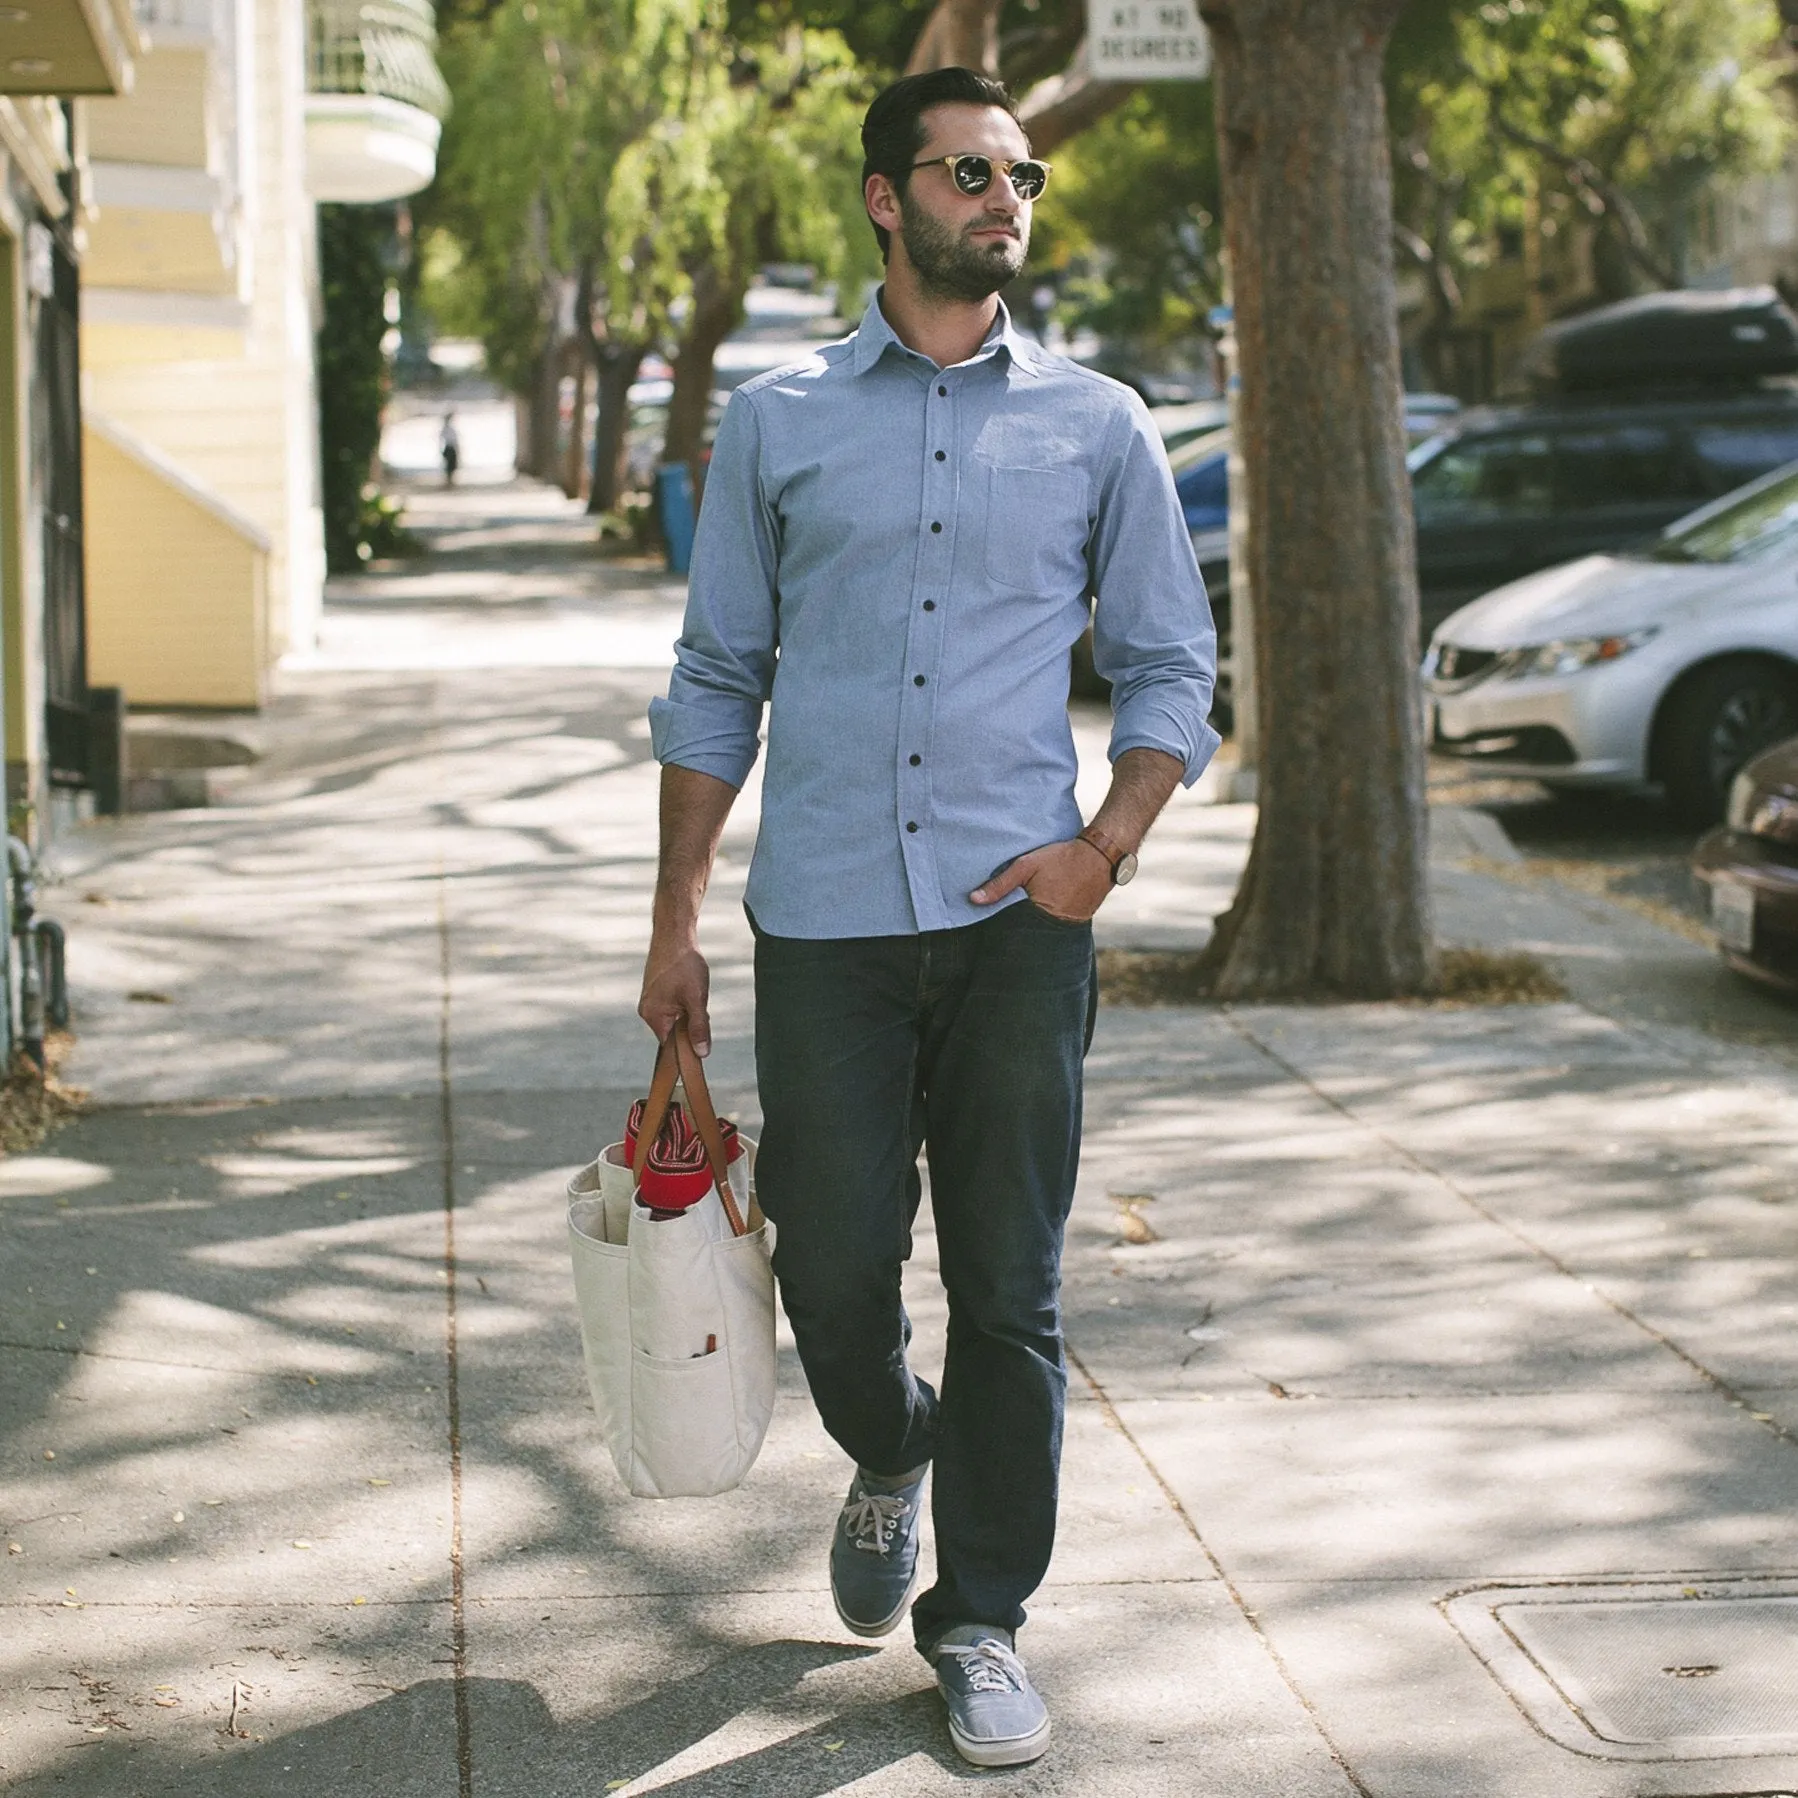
{"points": [[56, 460]]}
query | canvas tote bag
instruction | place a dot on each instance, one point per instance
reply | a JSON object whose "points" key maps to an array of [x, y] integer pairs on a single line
{"points": [[677, 1313]]}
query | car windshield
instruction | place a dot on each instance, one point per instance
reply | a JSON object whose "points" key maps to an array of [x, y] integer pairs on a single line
{"points": [[1761, 523]]}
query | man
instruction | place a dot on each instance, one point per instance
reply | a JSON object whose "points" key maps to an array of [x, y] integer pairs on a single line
{"points": [[896, 550], [449, 448]]}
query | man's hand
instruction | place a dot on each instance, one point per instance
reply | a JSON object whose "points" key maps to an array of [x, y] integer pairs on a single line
{"points": [[676, 985], [1068, 880]]}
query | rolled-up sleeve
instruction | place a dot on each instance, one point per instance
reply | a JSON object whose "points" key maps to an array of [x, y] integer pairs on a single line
{"points": [[1153, 637], [724, 661]]}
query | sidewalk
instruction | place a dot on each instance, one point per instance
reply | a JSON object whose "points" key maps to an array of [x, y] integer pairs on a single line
{"points": [[1434, 1428]]}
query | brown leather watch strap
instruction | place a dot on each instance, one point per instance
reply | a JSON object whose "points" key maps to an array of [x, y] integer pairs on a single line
{"points": [[1112, 852]]}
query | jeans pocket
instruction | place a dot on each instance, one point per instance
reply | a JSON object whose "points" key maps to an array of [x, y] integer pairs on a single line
{"points": [[1034, 910]]}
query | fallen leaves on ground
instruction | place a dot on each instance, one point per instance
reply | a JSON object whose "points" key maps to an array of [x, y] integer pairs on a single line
{"points": [[34, 1103]]}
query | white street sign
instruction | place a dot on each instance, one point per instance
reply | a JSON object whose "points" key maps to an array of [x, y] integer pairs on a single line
{"points": [[1146, 40]]}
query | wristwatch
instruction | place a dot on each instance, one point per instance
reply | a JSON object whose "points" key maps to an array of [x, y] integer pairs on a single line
{"points": [[1122, 860]]}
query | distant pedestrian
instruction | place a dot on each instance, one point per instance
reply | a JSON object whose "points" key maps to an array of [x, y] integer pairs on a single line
{"points": [[898, 544], [449, 447]]}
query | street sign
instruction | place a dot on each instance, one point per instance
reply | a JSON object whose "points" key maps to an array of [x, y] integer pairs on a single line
{"points": [[1146, 40]]}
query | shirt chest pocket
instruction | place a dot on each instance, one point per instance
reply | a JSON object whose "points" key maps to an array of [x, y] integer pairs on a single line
{"points": [[1036, 530]]}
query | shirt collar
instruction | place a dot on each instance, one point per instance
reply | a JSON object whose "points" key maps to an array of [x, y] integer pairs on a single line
{"points": [[874, 337]]}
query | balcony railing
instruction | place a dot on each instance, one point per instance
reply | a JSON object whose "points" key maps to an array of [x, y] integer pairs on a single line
{"points": [[174, 15], [381, 47]]}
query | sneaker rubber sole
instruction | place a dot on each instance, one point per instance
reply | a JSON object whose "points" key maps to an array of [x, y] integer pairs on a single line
{"points": [[870, 1632], [1012, 1751]]}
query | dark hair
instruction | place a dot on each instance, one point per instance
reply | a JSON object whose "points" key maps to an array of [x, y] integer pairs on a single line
{"points": [[893, 132]]}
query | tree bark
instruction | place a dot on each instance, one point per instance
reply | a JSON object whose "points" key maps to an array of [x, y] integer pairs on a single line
{"points": [[574, 473], [717, 305], [966, 33], [959, 33], [1335, 900], [1058, 107], [618, 365], [545, 403]]}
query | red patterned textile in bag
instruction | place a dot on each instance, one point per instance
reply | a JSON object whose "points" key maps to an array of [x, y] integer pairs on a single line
{"points": [[676, 1174]]}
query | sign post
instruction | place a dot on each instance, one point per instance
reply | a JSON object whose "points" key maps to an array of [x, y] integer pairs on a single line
{"points": [[1146, 40]]}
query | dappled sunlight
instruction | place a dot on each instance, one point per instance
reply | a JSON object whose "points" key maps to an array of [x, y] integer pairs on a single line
{"points": [[217, 1337], [1393, 1298]]}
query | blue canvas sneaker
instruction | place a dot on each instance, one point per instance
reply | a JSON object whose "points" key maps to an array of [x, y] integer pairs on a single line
{"points": [[996, 1716], [874, 1554]]}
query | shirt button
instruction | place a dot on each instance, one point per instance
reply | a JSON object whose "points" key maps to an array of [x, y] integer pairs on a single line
{"points": [[944, 391], [917, 680], [936, 529], [939, 455], [916, 759], [930, 605], [912, 828]]}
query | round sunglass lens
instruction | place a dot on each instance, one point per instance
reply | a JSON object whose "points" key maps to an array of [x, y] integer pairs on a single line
{"points": [[973, 174], [1028, 178]]}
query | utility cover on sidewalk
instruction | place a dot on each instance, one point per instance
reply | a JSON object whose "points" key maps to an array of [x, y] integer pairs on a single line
{"points": [[1646, 1672]]}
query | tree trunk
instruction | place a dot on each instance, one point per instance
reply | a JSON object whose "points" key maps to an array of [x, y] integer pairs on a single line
{"points": [[1335, 900], [618, 365], [545, 402], [717, 305], [1062, 105], [959, 33], [965, 33], [574, 473]]}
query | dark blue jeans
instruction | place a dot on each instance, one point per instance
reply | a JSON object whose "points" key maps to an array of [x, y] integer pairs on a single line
{"points": [[967, 1043]]}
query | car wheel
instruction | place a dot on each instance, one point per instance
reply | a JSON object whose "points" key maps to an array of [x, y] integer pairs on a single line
{"points": [[1713, 724]]}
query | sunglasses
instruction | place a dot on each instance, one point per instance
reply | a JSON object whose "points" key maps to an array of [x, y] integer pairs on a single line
{"points": [[974, 174]]}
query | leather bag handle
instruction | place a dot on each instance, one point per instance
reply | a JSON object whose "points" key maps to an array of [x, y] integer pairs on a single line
{"points": [[676, 1058]]}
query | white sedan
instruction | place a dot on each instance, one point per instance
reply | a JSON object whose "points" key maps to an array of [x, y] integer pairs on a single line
{"points": [[1668, 667]]}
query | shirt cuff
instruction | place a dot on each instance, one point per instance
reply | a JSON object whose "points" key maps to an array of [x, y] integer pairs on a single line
{"points": [[685, 737], [1153, 724]]}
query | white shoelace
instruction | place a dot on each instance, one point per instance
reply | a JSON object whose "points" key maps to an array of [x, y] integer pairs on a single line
{"points": [[871, 1518], [987, 1666]]}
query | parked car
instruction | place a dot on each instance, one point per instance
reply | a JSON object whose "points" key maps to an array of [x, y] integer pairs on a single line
{"points": [[1200, 462], [1749, 863], [1179, 425], [1510, 490], [1668, 666]]}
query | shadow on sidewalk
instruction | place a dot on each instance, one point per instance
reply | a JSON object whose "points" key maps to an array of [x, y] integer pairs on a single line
{"points": [[399, 1743]]}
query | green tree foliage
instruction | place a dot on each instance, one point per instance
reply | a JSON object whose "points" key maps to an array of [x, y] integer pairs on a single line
{"points": [[548, 95], [631, 162], [878, 33], [352, 372], [1609, 114], [1134, 206], [759, 165]]}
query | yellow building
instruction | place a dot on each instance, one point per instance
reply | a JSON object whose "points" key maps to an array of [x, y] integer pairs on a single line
{"points": [[50, 52], [199, 309]]}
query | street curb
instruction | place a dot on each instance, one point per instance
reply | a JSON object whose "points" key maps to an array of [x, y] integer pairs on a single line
{"points": [[1465, 833]]}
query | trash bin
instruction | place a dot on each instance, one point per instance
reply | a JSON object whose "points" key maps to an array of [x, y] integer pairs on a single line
{"points": [[674, 494]]}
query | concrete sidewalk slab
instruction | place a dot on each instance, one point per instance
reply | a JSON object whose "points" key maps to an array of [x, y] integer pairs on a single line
{"points": [[1462, 1488], [168, 1700], [1419, 1716]]}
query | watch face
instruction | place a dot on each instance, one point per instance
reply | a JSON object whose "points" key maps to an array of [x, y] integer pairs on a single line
{"points": [[1125, 871]]}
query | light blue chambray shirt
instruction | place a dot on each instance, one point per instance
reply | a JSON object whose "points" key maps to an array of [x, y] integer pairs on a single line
{"points": [[896, 558]]}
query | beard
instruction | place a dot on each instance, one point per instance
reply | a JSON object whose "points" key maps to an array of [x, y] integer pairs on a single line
{"points": [[952, 266]]}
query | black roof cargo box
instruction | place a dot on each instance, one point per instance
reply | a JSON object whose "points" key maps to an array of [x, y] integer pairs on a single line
{"points": [[1666, 339]]}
